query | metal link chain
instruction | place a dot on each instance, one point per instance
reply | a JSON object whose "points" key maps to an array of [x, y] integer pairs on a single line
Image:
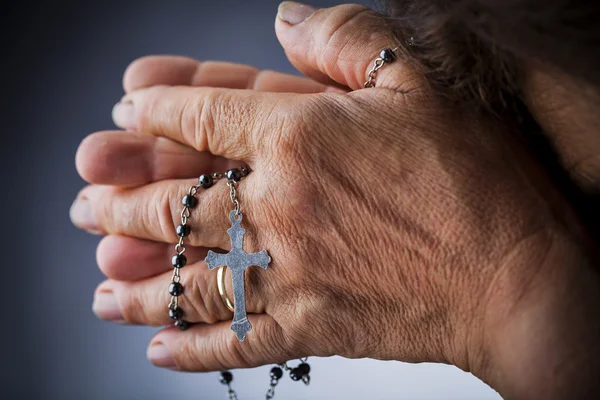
{"points": [[180, 248], [271, 391], [275, 378], [190, 201], [233, 196], [231, 393], [378, 63]]}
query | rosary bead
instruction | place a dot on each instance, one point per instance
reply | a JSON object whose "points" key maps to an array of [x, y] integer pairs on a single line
{"points": [[179, 260], [387, 55], [183, 230], [175, 313], [234, 175], [205, 181], [304, 368], [189, 201], [176, 289], [182, 325], [296, 374], [244, 172], [226, 377], [276, 373]]}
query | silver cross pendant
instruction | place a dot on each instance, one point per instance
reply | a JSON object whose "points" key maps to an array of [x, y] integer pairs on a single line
{"points": [[237, 260]]}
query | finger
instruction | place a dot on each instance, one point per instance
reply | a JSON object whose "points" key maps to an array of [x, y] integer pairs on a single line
{"points": [[153, 211], [226, 122], [145, 302], [339, 44], [174, 71], [215, 347], [129, 159], [129, 259]]}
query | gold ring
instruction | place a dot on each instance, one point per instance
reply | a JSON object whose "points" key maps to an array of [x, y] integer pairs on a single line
{"points": [[222, 290]]}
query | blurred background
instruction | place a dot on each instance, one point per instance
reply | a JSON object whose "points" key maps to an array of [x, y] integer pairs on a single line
{"points": [[62, 67]]}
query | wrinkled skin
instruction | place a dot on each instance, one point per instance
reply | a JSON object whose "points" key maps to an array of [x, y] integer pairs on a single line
{"points": [[399, 227]]}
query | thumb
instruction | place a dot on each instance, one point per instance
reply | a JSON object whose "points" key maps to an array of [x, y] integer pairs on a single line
{"points": [[339, 45]]}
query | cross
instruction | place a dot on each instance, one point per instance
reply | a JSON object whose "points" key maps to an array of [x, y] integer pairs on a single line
{"points": [[238, 261]]}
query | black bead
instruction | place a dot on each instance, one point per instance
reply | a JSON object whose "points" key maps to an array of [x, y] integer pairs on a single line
{"points": [[226, 377], [295, 374], [276, 373], [175, 313], [189, 201], [234, 175], [205, 181], [182, 325], [387, 55], [183, 230], [244, 172], [304, 368], [179, 260], [176, 289]]}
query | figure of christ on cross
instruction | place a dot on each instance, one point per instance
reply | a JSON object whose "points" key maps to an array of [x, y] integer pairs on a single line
{"points": [[237, 260]]}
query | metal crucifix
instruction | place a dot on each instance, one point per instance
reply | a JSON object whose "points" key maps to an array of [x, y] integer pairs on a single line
{"points": [[237, 260]]}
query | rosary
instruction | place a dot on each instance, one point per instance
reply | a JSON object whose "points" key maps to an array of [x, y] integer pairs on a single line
{"points": [[237, 260]]}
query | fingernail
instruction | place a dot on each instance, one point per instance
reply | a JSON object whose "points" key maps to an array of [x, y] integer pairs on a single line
{"points": [[293, 13], [123, 114], [159, 355], [106, 307], [82, 215]]}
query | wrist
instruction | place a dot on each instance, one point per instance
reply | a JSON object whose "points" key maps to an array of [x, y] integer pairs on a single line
{"points": [[542, 331]]}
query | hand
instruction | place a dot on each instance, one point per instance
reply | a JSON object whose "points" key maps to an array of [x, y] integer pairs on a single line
{"points": [[400, 227]]}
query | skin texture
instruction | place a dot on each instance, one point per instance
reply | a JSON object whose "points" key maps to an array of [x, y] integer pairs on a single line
{"points": [[399, 227]]}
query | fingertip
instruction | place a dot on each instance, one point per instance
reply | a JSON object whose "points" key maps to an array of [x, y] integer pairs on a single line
{"points": [[167, 335], [293, 13], [105, 255], [160, 355], [116, 158], [134, 73], [83, 163], [130, 259], [81, 213], [159, 70]]}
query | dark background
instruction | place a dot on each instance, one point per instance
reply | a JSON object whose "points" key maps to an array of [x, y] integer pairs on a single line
{"points": [[61, 73]]}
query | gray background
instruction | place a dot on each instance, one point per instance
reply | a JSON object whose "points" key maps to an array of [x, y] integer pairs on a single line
{"points": [[61, 72]]}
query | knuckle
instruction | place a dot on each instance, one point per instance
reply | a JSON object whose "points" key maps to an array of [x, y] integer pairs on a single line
{"points": [[267, 344], [237, 354], [307, 323], [191, 354], [135, 303], [343, 27], [147, 111], [204, 299], [218, 105], [105, 209], [198, 122], [256, 290], [295, 125], [212, 211], [315, 329], [161, 212]]}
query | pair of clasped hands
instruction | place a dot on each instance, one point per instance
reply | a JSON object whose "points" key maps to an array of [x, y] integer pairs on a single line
{"points": [[399, 227]]}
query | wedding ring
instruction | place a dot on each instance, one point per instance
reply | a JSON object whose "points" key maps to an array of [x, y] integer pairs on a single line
{"points": [[222, 289]]}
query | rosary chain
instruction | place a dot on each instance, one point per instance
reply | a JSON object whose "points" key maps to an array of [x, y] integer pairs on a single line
{"points": [[189, 201], [233, 196], [386, 56], [231, 393], [179, 260], [301, 372]]}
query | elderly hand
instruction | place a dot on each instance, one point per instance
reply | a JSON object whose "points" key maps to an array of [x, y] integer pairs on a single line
{"points": [[399, 227]]}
